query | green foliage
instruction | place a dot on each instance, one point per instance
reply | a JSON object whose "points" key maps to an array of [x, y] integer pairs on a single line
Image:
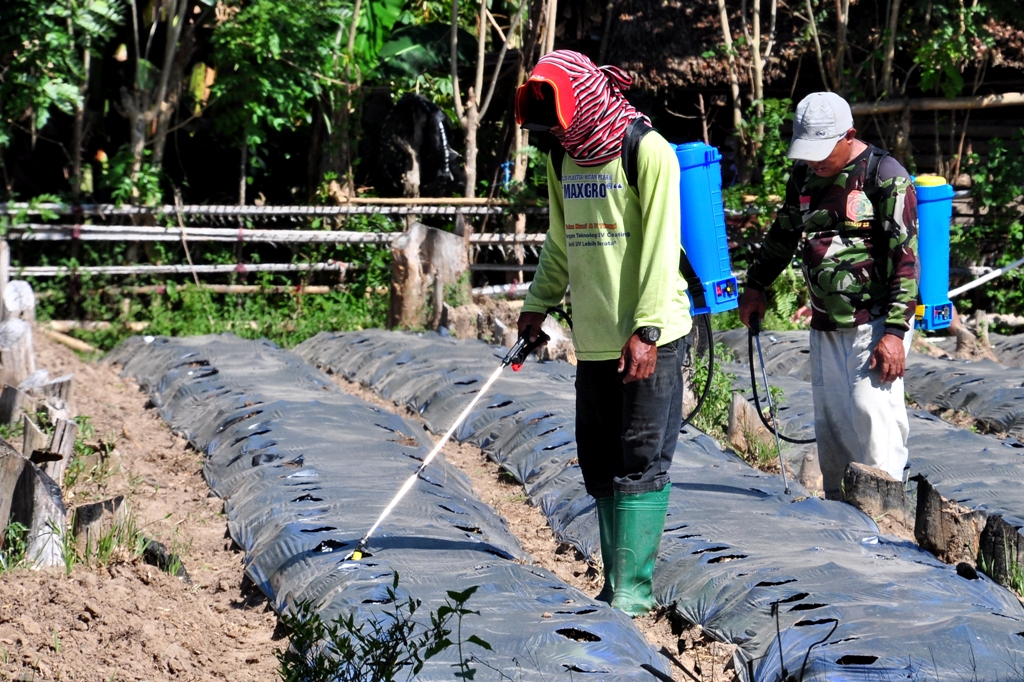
{"points": [[15, 546], [788, 293], [996, 236], [278, 60], [958, 37], [41, 48], [765, 134], [283, 318], [383, 649], [713, 417], [116, 176]]}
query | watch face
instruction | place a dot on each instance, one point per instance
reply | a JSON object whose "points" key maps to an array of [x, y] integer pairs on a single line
{"points": [[650, 334]]}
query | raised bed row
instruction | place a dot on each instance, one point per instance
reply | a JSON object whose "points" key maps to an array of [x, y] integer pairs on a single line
{"points": [[305, 469], [979, 472], [773, 573]]}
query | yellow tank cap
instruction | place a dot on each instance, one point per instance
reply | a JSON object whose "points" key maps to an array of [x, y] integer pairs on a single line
{"points": [[929, 181]]}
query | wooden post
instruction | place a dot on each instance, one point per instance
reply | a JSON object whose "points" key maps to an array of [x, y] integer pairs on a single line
{"points": [[93, 521], [33, 438], [17, 359], [407, 281], [1002, 548], [11, 402], [5, 266], [63, 444], [59, 391], [34, 500]]}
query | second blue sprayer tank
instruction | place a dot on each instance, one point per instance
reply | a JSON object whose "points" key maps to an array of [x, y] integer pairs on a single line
{"points": [[934, 212]]}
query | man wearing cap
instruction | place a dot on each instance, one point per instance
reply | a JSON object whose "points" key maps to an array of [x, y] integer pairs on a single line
{"points": [[852, 211], [617, 248]]}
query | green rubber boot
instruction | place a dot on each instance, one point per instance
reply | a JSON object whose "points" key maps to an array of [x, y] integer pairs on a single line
{"points": [[605, 520], [639, 522]]}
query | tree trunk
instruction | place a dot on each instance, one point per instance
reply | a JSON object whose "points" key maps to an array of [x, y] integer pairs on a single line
{"points": [[734, 87], [427, 262], [78, 132], [551, 27], [842, 22], [890, 49], [472, 124], [243, 168], [166, 100]]}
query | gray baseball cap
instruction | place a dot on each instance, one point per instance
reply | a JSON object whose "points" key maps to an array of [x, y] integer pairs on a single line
{"points": [[822, 119]]}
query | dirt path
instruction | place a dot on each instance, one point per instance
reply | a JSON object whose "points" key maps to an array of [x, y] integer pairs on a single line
{"points": [[128, 620]]}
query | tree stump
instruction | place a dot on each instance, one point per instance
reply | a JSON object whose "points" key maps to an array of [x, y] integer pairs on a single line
{"points": [[59, 391], [17, 359], [949, 531], [877, 494], [745, 424], [427, 264], [19, 301]]}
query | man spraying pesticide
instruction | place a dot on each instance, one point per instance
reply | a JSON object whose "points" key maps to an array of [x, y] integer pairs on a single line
{"points": [[616, 244], [851, 210]]}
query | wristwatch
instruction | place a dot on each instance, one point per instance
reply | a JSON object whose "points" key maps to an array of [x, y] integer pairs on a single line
{"points": [[648, 334]]}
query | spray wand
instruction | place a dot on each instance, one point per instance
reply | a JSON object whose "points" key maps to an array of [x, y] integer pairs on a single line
{"points": [[515, 358]]}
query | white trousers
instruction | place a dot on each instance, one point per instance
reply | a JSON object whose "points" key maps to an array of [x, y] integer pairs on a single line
{"points": [[856, 417]]}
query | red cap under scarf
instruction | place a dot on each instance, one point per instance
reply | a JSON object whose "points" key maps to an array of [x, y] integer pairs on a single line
{"points": [[591, 108]]}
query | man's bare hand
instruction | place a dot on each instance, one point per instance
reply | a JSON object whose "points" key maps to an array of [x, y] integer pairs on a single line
{"points": [[889, 357], [752, 301], [530, 323], [638, 359]]}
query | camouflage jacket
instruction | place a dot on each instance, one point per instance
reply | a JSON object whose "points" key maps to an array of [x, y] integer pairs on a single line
{"points": [[859, 257]]}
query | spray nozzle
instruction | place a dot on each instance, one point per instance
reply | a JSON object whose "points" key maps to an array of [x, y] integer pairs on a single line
{"points": [[518, 353]]}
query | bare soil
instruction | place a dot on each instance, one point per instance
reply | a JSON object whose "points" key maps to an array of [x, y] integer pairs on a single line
{"points": [[128, 620]]}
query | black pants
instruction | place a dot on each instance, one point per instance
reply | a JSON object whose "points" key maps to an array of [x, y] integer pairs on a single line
{"points": [[626, 433]]}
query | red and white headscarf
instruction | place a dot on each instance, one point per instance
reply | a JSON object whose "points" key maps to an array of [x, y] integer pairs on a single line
{"points": [[591, 108]]}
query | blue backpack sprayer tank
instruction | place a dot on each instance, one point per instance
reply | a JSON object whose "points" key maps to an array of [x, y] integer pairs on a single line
{"points": [[703, 227], [934, 212]]}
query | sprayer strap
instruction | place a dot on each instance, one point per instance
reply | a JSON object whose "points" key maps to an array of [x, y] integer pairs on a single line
{"points": [[635, 133]]}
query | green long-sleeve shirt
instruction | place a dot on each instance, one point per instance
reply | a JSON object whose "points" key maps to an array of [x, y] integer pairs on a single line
{"points": [[617, 249]]}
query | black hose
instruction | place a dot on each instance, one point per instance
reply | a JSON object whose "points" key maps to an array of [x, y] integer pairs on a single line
{"points": [[560, 312], [711, 371], [757, 402]]}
